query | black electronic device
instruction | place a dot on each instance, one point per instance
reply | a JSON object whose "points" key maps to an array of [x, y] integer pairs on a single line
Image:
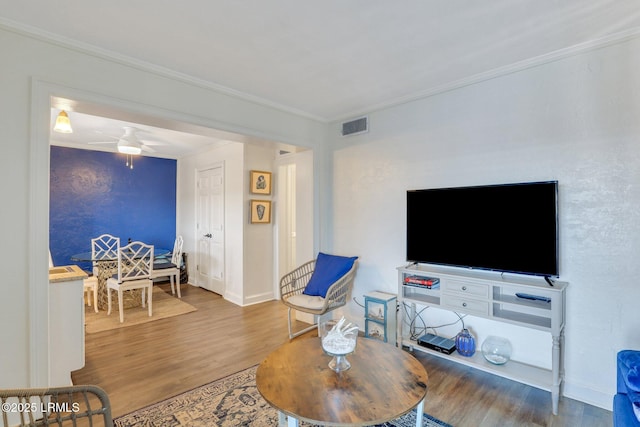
{"points": [[533, 297], [507, 227], [434, 342]]}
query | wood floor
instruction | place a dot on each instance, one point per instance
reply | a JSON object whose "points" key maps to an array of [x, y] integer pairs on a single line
{"points": [[143, 364]]}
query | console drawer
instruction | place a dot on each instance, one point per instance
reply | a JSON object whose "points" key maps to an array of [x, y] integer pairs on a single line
{"points": [[462, 287], [467, 305]]}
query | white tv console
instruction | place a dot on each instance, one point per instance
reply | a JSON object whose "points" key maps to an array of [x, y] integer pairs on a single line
{"points": [[490, 295]]}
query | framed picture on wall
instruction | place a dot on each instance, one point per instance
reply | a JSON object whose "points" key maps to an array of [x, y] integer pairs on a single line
{"points": [[260, 182], [260, 211]]}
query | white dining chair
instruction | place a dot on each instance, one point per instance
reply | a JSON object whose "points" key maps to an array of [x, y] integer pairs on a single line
{"points": [[163, 268], [90, 283], [135, 266], [91, 291], [104, 246]]}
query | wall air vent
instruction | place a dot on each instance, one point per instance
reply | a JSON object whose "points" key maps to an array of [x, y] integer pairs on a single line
{"points": [[355, 126]]}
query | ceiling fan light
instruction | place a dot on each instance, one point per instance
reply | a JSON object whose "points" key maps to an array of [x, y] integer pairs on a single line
{"points": [[63, 124], [128, 149]]}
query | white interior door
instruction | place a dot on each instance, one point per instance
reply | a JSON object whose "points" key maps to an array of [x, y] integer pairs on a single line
{"points": [[210, 229]]}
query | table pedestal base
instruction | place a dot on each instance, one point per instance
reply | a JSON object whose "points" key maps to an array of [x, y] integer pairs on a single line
{"points": [[284, 421], [106, 270]]}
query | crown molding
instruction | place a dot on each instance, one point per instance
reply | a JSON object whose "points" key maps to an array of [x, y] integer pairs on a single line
{"points": [[88, 49], [537, 61]]}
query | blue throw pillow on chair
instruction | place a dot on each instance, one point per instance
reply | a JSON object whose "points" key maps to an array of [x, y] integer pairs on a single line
{"points": [[328, 269]]}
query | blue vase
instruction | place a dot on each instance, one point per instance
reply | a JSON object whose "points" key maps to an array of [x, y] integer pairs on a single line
{"points": [[465, 343]]}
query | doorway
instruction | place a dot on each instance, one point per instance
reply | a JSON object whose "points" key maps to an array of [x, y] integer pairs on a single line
{"points": [[210, 231], [295, 213], [45, 97], [287, 219]]}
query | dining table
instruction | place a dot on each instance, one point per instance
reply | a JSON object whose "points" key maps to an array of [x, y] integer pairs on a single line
{"points": [[106, 265]]}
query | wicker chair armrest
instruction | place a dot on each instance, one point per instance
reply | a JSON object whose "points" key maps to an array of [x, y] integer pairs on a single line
{"points": [[339, 293], [92, 403], [293, 283]]}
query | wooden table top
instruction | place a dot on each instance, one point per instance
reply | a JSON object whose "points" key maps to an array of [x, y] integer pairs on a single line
{"points": [[382, 384]]}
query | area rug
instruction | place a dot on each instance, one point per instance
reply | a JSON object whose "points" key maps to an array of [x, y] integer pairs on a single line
{"points": [[164, 305], [231, 401]]}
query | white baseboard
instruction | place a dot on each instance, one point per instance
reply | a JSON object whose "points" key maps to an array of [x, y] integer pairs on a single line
{"points": [[588, 395], [258, 298], [234, 298]]}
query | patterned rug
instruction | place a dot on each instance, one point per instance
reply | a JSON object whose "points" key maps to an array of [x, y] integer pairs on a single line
{"points": [[164, 305], [231, 401]]}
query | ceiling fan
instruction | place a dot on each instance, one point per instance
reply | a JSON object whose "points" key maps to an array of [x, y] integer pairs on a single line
{"points": [[129, 143]]}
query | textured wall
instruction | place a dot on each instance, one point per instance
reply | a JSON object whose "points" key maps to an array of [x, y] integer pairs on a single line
{"points": [[93, 192], [575, 121]]}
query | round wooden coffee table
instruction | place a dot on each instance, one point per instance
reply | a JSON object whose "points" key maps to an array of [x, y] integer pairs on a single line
{"points": [[382, 384]]}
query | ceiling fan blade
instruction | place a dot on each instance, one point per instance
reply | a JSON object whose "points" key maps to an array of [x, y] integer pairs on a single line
{"points": [[152, 142], [102, 142], [147, 148]]}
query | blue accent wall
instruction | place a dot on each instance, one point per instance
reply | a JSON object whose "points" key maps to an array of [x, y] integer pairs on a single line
{"points": [[94, 192]]}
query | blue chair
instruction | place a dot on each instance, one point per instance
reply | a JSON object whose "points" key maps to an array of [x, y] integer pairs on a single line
{"points": [[628, 390]]}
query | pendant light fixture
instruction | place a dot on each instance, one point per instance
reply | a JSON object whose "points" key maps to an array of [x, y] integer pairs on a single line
{"points": [[63, 124]]}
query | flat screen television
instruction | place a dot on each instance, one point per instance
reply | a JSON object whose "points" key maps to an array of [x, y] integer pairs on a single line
{"points": [[507, 227]]}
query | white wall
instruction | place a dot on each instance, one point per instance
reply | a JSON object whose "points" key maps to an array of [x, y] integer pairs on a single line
{"points": [[258, 257], [32, 71], [232, 156], [249, 248], [577, 121]]}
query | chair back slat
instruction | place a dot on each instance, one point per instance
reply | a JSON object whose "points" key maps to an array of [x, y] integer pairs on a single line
{"points": [[176, 255], [105, 246], [135, 261]]}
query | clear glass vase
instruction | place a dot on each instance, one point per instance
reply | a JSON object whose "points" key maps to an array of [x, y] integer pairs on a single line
{"points": [[338, 344], [496, 350]]}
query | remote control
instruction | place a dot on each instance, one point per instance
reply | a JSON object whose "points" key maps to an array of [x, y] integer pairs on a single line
{"points": [[533, 297]]}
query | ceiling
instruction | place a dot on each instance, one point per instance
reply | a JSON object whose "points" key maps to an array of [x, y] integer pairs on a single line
{"points": [[100, 133], [331, 59]]}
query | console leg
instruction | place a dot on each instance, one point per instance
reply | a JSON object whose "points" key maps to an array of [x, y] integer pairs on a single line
{"points": [[557, 379]]}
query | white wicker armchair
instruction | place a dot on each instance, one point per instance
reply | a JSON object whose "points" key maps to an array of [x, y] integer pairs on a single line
{"points": [[294, 283]]}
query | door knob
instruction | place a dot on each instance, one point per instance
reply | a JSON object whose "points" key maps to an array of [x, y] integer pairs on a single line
{"points": [[208, 235]]}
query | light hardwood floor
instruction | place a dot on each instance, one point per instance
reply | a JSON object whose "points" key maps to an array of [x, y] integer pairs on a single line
{"points": [[143, 364]]}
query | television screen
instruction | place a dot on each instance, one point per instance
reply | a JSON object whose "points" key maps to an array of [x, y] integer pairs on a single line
{"points": [[507, 227]]}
